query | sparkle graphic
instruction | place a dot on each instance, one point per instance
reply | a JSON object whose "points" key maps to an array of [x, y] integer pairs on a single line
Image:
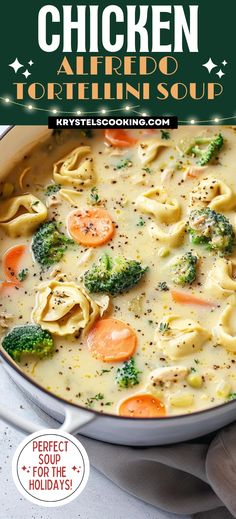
{"points": [[224, 62], [209, 65], [30, 63], [220, 73], [16, 65], [26, 73]]}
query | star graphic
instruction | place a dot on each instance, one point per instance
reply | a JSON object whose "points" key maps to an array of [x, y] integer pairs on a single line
{"points": [[30, 63], [74, 468], [220, 73], [209, 65], [224, 62], [16, 65], [26, 73], [24, 468]]}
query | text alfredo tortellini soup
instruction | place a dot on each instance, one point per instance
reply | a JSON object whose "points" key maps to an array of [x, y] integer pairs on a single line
{"points": [[118, 268]]}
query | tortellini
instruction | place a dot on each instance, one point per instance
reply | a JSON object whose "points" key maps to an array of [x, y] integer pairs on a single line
{"points": [[220, 281], [21, 215], [223, 331], [213, 193], [172, 236], [149, 149], [75, 169], [64, 308], [157, 203], [178, 337], [71, 195]]}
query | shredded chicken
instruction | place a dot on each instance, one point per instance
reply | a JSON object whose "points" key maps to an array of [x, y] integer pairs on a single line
{"points": [[86, 256], [57, 270], [142, 178], [113, 152], [167, 174], [4, 318], [168, 375]]}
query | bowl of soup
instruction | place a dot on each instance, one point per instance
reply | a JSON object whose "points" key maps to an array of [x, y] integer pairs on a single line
{"points": [[118, 276]]}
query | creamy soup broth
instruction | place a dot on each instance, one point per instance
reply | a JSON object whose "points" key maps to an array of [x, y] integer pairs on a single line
{"points": [[120, 178]]}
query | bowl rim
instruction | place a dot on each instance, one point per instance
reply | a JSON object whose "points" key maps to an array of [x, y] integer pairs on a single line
{"points": [[12, 364]]}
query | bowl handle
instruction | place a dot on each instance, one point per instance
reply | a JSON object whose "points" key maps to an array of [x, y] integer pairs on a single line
{"points": [[74, 419]]}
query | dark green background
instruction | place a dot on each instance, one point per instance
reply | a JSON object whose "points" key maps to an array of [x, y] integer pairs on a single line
{"points": [[18, 36]]}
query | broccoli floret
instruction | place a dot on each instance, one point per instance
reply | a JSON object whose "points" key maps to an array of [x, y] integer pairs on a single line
{"points": [[29, 339], [212, 229], [231, 396], [113, 276], [211, 147], [49, 244], [184, 270], [128, 374]]}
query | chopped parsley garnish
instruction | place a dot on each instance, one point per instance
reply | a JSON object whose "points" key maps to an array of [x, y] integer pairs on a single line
{"points": [[51, 189], [164, 328], [165, 135], [124, 163], [141, 222], [147, 170], [98, 397], [23, 274], [94, 196], [90, 401], [163, 286], [100, 373]]}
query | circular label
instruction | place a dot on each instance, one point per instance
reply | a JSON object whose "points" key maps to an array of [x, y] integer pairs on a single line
{"points": [[50, 468]]}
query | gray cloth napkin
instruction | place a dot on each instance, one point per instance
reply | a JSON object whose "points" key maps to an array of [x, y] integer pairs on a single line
{"points": [[188, 478]]}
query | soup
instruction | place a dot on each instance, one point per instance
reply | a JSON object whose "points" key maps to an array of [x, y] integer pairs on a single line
{"points": [[118, 265]]}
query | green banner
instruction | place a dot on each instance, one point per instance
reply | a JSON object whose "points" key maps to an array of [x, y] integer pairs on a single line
{"points": [[93, 58]]}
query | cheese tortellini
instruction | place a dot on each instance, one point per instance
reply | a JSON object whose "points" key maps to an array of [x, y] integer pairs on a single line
{"points": [[213, 193], [75, 169], [21, 215], [220, 281], [64, 308], [172, 236], [149, 149], [157, 203], [178, 337], [223, 331], [71, 195]]}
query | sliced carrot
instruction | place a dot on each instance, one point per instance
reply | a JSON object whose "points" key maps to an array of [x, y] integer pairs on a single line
{"points": [[183, 297], [110, 340], [120, 138], [142, 406], [91, 227], [5, 286], [11, 263]]}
